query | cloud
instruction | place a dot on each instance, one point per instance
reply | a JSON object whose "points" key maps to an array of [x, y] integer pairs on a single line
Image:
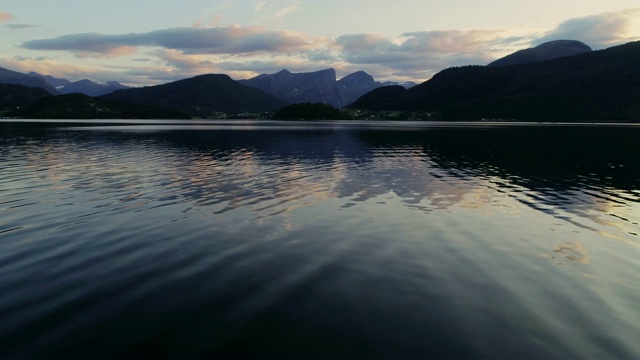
{"points": [[424, 52], [217, 40], [5, 17], [190, 64], [247, 51], [272, 12], [87, 44], [21, 26], [599, 31], [260, 5], [287, 10]]}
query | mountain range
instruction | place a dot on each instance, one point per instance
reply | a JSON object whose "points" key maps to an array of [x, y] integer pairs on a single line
{"points": [[599, 85], [55, 86], [84, 86], [313, 87], [556, 81], [201, 96]]}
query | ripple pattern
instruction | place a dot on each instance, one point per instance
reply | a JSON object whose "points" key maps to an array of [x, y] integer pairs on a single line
{"points": [[345, 240]]}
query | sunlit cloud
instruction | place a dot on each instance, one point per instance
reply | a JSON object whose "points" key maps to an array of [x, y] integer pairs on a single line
{"points": [[599, 31], [422, 52], [5, 17], [214, 21], [426, 46], [179, 60]]}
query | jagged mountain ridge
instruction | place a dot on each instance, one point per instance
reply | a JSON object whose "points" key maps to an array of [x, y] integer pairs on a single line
{"points": [[316, 87]]}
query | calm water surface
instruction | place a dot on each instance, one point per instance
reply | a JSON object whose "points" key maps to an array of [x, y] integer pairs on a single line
{"points": [[268, 239]]}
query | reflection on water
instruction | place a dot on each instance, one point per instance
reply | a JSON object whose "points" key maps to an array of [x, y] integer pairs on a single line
{"points": [[337, 239], [573, 252]]}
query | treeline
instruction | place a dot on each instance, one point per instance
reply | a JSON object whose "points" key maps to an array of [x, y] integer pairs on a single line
{"points": [[13, 97], [79, 106], [308, 111]]}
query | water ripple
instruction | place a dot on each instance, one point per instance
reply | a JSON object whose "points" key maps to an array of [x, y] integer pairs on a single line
{"points": [[219, 237]]}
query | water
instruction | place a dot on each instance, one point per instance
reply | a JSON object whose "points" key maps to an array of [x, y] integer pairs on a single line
{"points": [[339, 239]]}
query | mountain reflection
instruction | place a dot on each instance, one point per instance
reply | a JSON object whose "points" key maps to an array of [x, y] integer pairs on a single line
{"points": [[587, 172]]}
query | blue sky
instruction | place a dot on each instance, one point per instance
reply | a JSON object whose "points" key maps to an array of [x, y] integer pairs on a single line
{"points": [[140, 42]]}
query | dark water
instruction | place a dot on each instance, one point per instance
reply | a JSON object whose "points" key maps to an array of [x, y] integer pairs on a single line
{"points": [[319, 240]]}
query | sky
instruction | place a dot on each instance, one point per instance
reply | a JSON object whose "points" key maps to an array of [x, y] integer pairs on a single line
{"points": [[147, 42]]}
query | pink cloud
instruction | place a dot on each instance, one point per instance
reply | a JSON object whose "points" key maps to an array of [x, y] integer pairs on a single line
{"points": [[5, 16]]}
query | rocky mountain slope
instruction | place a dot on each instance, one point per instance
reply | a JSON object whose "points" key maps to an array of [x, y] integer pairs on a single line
{"points": [[313, 87], [317, 87]]}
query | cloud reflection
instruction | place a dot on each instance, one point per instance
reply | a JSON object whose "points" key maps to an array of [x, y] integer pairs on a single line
{"points": [[280, 171]]}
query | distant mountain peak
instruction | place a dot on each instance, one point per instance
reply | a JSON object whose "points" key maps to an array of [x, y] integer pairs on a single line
{"points": [[13, 77], [91, 88], [568, 44], [357, 76], [319, 86], [545, 51]]}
